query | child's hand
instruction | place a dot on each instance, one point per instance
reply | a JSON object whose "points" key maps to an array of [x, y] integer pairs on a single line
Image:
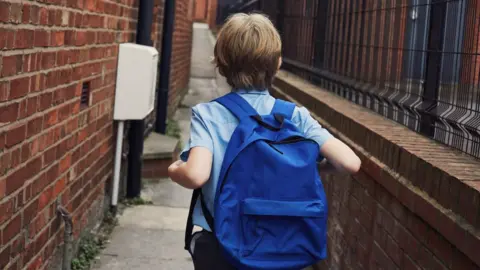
{"points": [[194, 173]]}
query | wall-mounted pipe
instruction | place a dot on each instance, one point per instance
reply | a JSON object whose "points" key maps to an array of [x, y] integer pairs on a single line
{"points": [[137, 127], [164, 85], [67, 238], [117, 166]]}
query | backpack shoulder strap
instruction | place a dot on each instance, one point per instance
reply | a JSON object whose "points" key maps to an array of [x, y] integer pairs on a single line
{"points": [[283, 107], [237, 105]]}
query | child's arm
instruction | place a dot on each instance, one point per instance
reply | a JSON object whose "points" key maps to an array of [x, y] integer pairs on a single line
{"points": [[195, 172], [340, 157]]}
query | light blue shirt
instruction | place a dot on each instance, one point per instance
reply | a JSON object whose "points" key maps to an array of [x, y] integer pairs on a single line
{"points": [[213, 125]]}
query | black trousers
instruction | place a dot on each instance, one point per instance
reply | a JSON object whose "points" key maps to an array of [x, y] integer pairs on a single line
{"points": [[206, 253]]}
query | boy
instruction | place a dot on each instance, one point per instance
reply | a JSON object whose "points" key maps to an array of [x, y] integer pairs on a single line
{"points": [[248, 54]]}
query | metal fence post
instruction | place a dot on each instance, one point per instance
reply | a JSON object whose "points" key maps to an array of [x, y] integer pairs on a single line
{"points": [[280, 19], [433, 66], [320, 32]]}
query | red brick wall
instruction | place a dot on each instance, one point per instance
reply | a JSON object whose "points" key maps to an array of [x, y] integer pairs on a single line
{"points": [[371, 229], [201, 10], [471, 46], [413, 205], [181, 54], [212, 14], [51, 147], [206, 12]]}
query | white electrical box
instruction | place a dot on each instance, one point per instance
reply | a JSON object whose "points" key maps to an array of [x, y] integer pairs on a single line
{"points": [[136, 81]]}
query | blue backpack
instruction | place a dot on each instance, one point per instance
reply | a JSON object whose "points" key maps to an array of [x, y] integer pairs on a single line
{"points": [[270, 205]]}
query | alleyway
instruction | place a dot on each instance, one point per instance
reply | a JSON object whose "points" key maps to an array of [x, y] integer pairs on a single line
{"points": [[151, 236]]}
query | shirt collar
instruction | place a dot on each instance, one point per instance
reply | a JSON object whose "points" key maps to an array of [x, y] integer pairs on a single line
{"points": [[252, 92]]}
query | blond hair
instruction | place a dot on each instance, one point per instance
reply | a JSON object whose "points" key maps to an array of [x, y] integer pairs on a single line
{"points": [[248, 51]]}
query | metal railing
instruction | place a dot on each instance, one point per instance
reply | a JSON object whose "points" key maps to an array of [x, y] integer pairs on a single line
{"points": [[416, 62]]}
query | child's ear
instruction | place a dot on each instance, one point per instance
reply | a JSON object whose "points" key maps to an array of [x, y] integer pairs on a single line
{"points": [[279, 62]]}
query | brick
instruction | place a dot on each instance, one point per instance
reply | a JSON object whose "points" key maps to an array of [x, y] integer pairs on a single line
{"points": [[440, 247], [4, 11], [22, 111], [16, 135], [58, 16], [43, 16], [4, 89], [52, 17], [427, 260], [15, 158], [46, 101], [460, 261], [34, 14], [7, 38], [45, 198], [3, 138], [380, 260], [2, 190], [53, 172], [42, 38], [69, 38], [65, 18], [34, 126], [394, 251], [58, 38], [48, 60], [65, 163], [59, 187], [16, 180], [34, 149], [50, 118], [19, 87], [32, 105], [24, 39], [469, 203], [471, 245], [30, 65], [14, 265], [12, 229], [50, 156], [81, 38], [38, 81], [398, 211], [406, 241], [380, 235], [30, 211], [25, 153], [12, 65], [16, 13], [26, 13], [52, 79], [17, 246], [4, 255], [9, 113], [409, 264], [6, 210]]}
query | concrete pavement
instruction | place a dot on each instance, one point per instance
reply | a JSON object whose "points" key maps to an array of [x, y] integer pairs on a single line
{"points": [[151, 236]]}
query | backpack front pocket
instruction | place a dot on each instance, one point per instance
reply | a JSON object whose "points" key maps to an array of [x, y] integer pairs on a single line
{"points": [[282, 229]]}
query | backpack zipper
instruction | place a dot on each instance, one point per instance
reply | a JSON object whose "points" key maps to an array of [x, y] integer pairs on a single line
{"points": [[274, 148], [271, 144]]}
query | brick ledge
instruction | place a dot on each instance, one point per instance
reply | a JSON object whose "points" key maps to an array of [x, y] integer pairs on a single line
{"points": [[444, 209]]}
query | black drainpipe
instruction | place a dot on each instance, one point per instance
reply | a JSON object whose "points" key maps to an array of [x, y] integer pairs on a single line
{"points": [[137, 127], [164, 85]]}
